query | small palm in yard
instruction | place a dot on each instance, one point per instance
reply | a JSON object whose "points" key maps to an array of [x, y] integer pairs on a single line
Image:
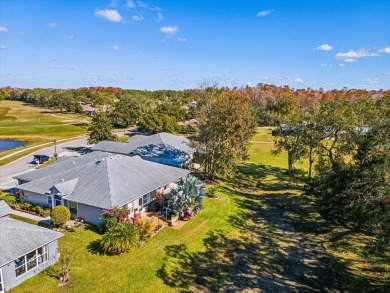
{"points": [[120, 238]]}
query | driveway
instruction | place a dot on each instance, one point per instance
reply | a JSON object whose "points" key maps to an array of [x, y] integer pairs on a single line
{"points": [[23, 164]]}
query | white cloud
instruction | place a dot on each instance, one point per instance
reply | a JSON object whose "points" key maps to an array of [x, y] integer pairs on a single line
{"points": [[115, 47], [341, 65], [324, 47], [298, 79], [348, 56], [385, 50], [130, 4], [160, 16], [182, 40], [169, 30], [137, 17], [349, 60], [263, 13], [147, 6], [3, 29], [2, 47], [110, 15], [53, 25]]}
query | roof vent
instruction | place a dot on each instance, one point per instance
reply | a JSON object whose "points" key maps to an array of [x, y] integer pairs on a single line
{"points": [[73, 163], [62, 180]]}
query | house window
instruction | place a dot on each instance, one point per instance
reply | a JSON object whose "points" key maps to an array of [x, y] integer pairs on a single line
{"points": [[73, 207], [20, 266], [50, 201], [146, 199], [30, 260], [1, 282], [42, 254]]}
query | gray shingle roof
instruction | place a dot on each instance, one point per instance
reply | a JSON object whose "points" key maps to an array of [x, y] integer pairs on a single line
{"points": [[63, 163], [162, 140], [18, 238], [66, 187], [113, 147], [5, 210], [112, 181], [143, 144]]}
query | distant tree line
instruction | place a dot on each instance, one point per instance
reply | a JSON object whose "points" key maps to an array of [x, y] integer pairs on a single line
{"points": [[152, 111]]}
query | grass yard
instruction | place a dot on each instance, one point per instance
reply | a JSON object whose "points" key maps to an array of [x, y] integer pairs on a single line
{"points": [[262, 233], [35, 125]]}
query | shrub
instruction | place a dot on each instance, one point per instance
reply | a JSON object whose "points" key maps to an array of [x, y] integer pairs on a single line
{"points": [[10, 199], [212, 192], [145, 230], [46, 212], [60, 215], [120, 238], [112, 217], [26, 206]]}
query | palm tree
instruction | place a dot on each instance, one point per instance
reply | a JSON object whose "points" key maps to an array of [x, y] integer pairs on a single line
{"points": [[120, 238], [190, 193]]}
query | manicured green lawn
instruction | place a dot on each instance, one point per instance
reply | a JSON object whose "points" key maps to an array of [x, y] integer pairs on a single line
{"points": [[261, 233], [35, 125], [18, 120]]}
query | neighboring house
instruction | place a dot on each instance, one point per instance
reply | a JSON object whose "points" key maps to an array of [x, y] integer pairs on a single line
{"points": [[163, 148], [96, 181], [90, 110], [25, 249]]}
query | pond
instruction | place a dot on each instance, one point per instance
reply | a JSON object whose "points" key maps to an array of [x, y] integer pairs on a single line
{"points": [[6, 145]]}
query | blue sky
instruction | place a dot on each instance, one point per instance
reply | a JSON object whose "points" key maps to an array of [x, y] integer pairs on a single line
{"points": [[178, 44]]}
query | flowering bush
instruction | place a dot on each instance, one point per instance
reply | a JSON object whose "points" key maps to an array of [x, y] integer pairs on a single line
{"points": [[112, 217]]}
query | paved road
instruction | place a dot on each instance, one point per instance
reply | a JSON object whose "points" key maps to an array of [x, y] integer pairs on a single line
{"points": [[23, 164]]}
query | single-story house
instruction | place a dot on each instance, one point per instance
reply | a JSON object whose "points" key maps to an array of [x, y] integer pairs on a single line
{"points": [[25, 249], [90, 110], [96, 181], [163, 148]]}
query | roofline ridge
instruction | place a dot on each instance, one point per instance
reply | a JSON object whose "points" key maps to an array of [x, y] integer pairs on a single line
{"points": [[109, 182]]}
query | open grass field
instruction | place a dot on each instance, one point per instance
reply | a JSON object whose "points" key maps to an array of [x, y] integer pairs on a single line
{"points": [[35, 125], [261, 234]]}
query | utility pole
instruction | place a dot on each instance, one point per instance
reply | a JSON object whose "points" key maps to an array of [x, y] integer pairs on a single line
{"points": [[55, 149]]}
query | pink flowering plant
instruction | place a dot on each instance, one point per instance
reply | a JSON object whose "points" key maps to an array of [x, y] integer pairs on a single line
{"points": [[112, 217]]}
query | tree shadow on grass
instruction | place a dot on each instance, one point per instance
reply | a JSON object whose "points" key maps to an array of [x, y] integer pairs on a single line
{"points": [[281, 248], [93, 228], [95, 247], [189, 271], [82, 125], [253, 176]]}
